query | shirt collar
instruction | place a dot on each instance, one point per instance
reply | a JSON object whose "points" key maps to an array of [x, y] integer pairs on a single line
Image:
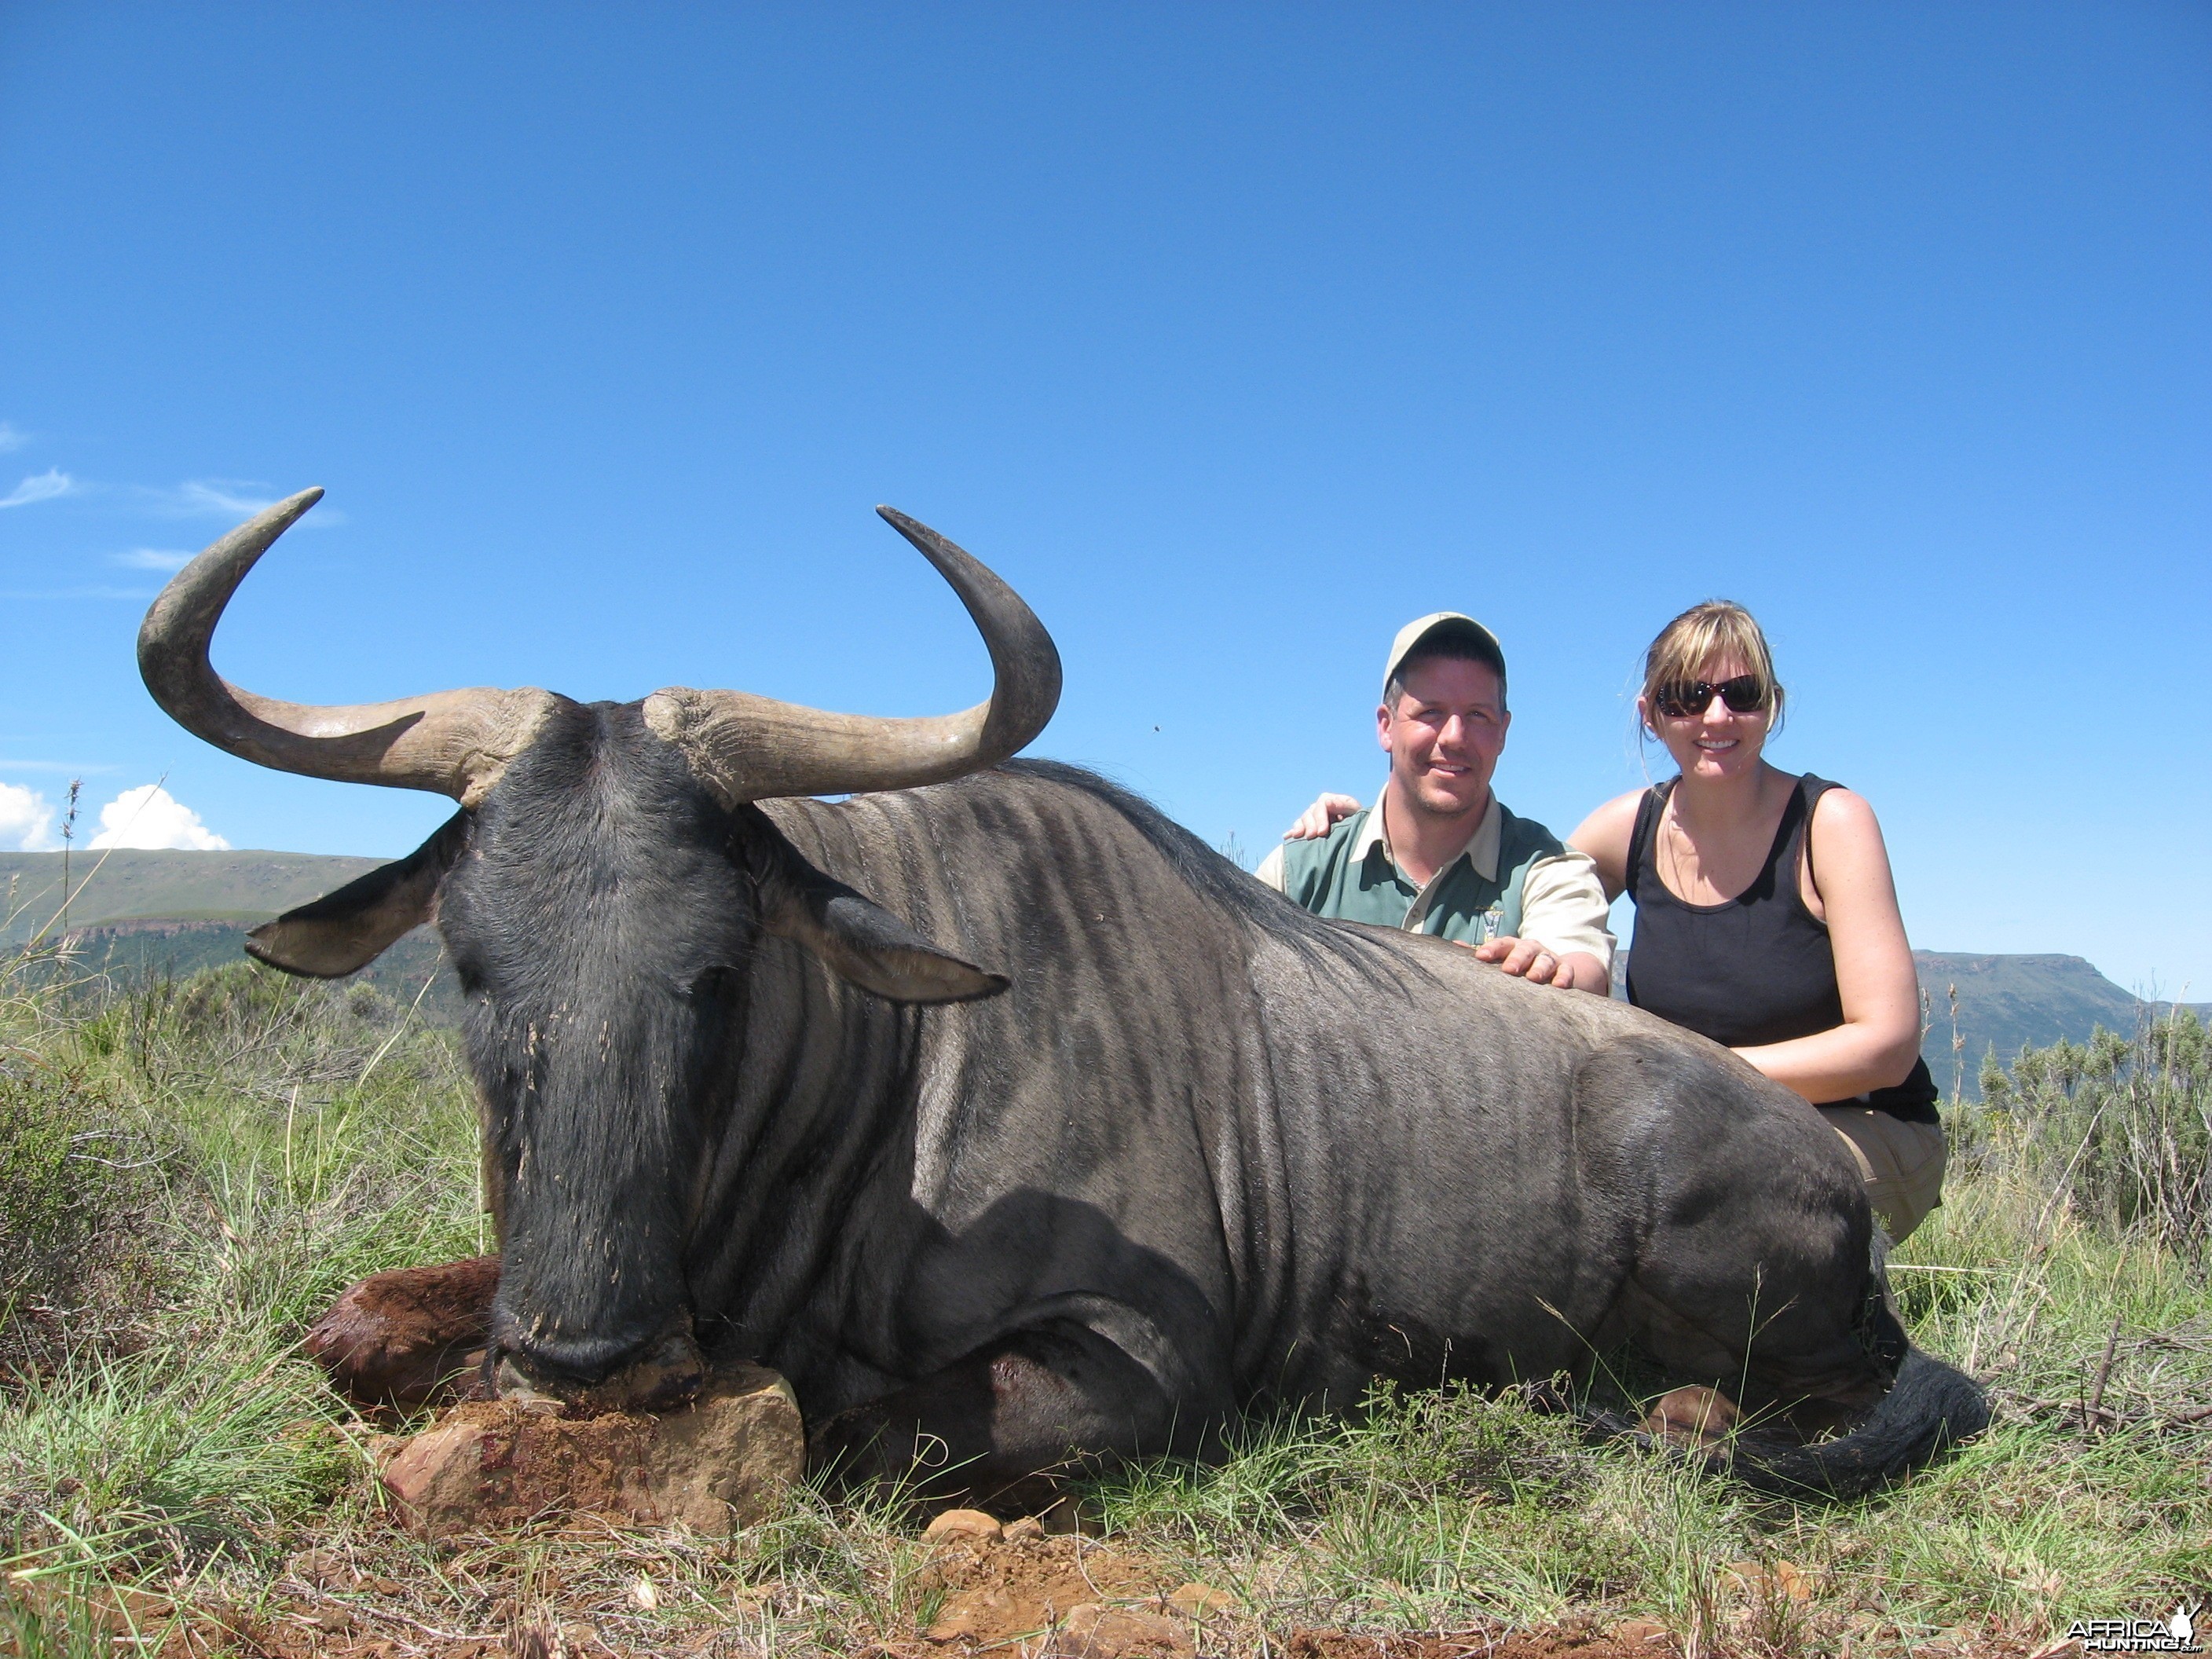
{"points": [[1480, 851]]}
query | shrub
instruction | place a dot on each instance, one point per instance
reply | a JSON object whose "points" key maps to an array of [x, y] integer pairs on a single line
{"points": [[2120, 1129], [76, 1179]]}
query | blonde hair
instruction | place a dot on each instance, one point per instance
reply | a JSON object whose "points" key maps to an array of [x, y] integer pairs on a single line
{"points": [[1718, 628]]}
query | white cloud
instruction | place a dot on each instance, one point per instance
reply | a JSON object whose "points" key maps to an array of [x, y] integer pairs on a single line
{"points": [[39, 487], [12, 437], [26, 822], [230, 498], [220, 496], [151, 558], [150, 817]]}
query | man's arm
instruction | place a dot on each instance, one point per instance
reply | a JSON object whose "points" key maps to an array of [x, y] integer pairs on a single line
{"points": [[1563, 940], [1270, 872]]}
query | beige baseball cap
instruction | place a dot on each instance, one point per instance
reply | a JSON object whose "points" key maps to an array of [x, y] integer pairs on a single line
{"points": [[1416, 633]]}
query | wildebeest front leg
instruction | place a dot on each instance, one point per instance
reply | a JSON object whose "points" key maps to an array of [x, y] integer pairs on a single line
{"points": [[999, 1424], [410, 1336]]}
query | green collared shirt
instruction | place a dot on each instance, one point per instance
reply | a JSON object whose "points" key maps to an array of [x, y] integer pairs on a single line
{"points": [[1485, 893]]}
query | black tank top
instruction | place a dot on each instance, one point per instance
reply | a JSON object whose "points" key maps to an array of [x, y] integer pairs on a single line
{"points": [[1755, 970]]}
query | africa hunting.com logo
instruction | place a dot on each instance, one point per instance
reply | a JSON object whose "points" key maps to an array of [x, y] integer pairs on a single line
{"points": [[2176, 1634]]}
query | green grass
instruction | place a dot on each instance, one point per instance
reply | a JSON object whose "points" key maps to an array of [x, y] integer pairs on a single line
{"points": [[212, 1162]]}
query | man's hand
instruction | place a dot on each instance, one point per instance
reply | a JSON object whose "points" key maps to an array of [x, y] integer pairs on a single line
{"points": [[1315, 821], [1524, 959]]}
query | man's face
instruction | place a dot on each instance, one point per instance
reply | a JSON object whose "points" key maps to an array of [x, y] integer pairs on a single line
{"points": [[1445, 735]]}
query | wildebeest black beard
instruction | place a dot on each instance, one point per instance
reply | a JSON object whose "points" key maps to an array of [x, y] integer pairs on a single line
{"points": [[598, 922]]}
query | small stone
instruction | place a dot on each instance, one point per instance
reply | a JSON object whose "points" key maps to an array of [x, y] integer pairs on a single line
{"points": [[1197, 1600], [963, 1523], [1028, 1526], [1636, 1632]]}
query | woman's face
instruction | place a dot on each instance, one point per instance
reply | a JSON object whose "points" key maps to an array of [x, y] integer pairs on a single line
{"points": [[1714, 742]]}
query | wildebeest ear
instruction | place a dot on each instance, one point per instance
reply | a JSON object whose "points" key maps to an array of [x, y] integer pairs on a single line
{"points": [[858, 939], [351, 927]]}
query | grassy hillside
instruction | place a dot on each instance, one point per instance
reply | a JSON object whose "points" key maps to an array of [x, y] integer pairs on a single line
{"points": [[174, 913], [2004, 1004], [2009, 1003], [242, 887], [131, 953]]}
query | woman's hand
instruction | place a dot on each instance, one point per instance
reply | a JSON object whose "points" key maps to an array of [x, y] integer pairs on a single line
{"points": [[1318, 819]]}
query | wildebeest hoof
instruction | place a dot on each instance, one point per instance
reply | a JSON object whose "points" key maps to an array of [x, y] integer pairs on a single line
{"points": [[409, 1337], [1693, 1417]]}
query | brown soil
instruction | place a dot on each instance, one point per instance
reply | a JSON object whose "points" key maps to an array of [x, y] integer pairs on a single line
{"points": [[1026, 1596], [1560, 1642], [999, 1592]]}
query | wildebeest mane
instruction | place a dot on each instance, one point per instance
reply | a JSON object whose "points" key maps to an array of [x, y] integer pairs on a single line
{"points": [[1215, 880]]}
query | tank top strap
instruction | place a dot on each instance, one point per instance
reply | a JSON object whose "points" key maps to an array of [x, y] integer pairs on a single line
{"points": [[1809, 791], [1639, 839]]}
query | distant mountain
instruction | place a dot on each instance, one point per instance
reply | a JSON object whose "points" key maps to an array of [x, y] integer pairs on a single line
{"points": [[133, 914], [175, 913], [2005, 1004], [2009, 1003], [104, 887]]}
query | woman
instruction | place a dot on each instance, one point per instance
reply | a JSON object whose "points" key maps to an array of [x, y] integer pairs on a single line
{"points": [[1765, 914]]}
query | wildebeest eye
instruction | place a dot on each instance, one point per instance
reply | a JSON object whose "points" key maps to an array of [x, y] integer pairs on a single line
{"points": [[707, 986]]}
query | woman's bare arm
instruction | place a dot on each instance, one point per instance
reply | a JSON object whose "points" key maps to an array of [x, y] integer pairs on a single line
{"points": [[1604, 835], [1879, 1038]]}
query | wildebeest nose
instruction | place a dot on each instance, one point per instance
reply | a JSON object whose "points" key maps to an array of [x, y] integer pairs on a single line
{"points": [[651, 1375]]}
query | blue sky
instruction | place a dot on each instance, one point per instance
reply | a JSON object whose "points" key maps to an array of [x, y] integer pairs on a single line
{"points": [[1234, 336]]}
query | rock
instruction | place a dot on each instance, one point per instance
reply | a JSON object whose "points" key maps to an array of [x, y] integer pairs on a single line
{"points": [[722, 1462], [409, 1336], [1635, 1632], [1028, 1526], [1092, 1632], [963, 1523], [1196, 1600]]}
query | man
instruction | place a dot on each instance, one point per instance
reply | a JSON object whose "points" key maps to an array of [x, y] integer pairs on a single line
{"points": [[1438, 853]]}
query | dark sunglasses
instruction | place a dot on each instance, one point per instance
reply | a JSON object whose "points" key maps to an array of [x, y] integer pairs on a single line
{"points": [[1743, 695]]}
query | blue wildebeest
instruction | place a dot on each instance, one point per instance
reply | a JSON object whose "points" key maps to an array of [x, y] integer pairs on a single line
{"points": [[1011, 1124]]}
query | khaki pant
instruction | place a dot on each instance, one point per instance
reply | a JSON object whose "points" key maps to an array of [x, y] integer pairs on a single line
{"points": [[1902, 1163]]}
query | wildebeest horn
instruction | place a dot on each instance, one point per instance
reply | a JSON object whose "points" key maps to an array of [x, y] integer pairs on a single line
{"points": [[749, 748], [454, 743]]}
